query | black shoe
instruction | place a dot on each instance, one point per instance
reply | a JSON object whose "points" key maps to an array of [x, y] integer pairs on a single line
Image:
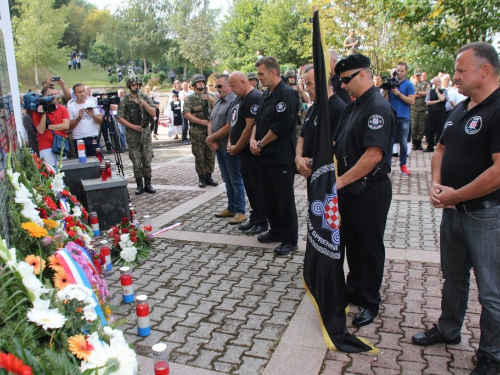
{"points": [[429, 149], [209, 181], [268, 238], [140, 186], [433, 336], [363, 318], [256, 229], [147, 186], [185, 141], [285, 249], [201, 181], [486, 366], [246, 226]]}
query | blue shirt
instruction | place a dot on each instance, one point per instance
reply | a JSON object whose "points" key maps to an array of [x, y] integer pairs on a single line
{"points": [[402, 109]]}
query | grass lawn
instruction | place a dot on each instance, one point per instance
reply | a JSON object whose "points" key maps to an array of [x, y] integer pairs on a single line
{"points": [[90, 75]]}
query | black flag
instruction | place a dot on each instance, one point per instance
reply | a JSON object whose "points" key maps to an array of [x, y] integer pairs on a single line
{"points": [[323, 263]]}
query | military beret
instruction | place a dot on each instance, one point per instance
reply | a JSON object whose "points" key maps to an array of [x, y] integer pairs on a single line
{"points": [[354, 61], [418, 71], [252, 75]]}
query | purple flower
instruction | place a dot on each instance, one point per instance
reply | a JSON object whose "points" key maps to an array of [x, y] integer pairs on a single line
{"points": [[46, 241]]}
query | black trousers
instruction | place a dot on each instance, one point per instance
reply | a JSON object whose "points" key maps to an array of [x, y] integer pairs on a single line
{"points": [[277, 186], [251, 174], [435, 124], [363, 219]]}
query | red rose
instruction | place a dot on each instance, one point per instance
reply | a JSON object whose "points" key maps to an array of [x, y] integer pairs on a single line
{"points": [[117, 238], [125, 220], [42, 213], [133, 232], [124, 230], [78, 242], [133, 239]]}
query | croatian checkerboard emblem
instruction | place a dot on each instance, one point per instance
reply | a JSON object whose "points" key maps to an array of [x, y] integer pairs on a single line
{"points": [[328, 210], [473, 125], [280, 107], [375, 122]]}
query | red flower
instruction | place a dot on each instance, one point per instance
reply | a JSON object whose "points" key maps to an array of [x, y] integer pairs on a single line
{"points": [[39, 166], [42, 213], [124, 230], [14, 365], [73, 198], [133, 232], [50, 203], [44, 174], [117, 238], [97, 265], [85, 213], [71, 233], [133, 239], [125, 220], [132, 226], [78, 242], [65, 193]]}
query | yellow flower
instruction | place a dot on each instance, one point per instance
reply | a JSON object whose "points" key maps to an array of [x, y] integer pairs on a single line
{"points": [[54, 264], [35, 261], [34, 230], [61, 280], [51, 224], [78, 346]]}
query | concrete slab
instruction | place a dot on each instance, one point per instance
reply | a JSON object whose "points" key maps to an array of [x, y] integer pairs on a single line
{"points": [[175, 368]]}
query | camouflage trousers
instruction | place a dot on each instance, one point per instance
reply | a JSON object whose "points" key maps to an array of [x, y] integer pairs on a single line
{"points": [[418, 120], [140, 151], [204, 158]]}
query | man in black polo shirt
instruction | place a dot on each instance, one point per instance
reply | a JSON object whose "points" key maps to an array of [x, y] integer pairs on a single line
{"points": [[272, 141], [466, 184], [241, 117], [362, 142], [335, 79], [305, 143]]}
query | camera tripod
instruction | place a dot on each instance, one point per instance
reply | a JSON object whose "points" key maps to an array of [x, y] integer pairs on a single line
{"points": [[112, 138]]}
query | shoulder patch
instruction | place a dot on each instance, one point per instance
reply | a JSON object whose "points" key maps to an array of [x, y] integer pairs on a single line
{"points": [[254, 108], [474, 125], [375, 122], [234, 114], [280, 107]]}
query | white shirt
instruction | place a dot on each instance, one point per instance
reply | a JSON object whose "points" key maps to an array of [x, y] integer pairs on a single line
{"points": [[183, 95], [87, 127], [455, 96]]}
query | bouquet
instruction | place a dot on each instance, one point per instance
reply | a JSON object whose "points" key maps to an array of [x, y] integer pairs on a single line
{"points": [[130, 244]]}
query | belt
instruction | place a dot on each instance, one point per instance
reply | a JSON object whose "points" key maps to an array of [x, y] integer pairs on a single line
{"points": [[470, 207], [84, 138]]}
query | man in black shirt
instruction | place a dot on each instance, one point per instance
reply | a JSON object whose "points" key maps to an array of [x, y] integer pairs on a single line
{"points": [[362, 143], [335, 79], [466, 184], [272, 142], [241, 117], [305, 143]]}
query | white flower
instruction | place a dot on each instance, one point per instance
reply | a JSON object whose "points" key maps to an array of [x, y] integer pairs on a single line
{"points": [[32, 283], [24, 269], [41, 304], [77, 211], [14, 178], [50, 318], [128, 254], [117, 355], [58, 183], [125, 237], [89, 314], [37, 293]]}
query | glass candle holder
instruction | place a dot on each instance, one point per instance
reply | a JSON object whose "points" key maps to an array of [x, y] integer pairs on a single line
{"points": [[147, 226], [160, 359]]}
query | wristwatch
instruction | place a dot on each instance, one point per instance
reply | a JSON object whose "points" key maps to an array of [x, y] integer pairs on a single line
{"points": [[399, 95], [258, 144]]}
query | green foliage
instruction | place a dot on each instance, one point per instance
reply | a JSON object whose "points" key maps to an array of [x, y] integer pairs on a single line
{"points": [[113, 78], [162, 76], [102, 54], [73, 33]]}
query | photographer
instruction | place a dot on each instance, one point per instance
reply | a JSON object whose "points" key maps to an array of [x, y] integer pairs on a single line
{"points": [[436, 112], [48, 118], [402, 98], [65, 96], [85, 120]]}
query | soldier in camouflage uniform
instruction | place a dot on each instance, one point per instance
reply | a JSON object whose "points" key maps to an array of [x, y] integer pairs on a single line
{"points": [[136, 112], [419, 110], [291, 80], [197, 111]]}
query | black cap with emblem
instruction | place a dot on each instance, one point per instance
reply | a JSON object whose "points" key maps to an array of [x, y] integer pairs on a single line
{"points": [[351, 62]]}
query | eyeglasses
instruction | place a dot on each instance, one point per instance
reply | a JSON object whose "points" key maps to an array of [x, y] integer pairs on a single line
{"points": [[218, 86], [345, 80]]}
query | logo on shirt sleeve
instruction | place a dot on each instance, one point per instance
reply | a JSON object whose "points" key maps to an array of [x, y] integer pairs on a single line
{"points": [[447, 123], [280, 107], [253, 109], [375, 122], [234, 114], [473, 125]]}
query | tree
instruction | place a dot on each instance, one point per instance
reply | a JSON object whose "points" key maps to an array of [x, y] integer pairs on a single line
{"points": [[72, 35], [37, 35], [102, 54], [96, 22], [143, 30]]}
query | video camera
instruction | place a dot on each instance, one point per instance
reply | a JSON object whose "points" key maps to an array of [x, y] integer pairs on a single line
{"points": [[33, 100], [106, 99], [390, 82]]}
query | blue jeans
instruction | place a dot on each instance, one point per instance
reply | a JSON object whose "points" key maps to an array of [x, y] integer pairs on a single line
{"points": [[229, 166], [185, 128], [402, 130], [123, 143], [90, 146], [471, 240]]}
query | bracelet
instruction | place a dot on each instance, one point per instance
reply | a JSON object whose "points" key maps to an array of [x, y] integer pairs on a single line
{"points": [[399, 95]]}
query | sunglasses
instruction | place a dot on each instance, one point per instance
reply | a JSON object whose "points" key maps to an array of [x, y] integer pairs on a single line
{"points": [[218, 86], [345, 80]]}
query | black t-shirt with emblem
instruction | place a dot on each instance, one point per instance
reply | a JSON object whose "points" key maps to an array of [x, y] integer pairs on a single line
{"points": [[278, 112], [369, 121], [470, 138], [242, 109]]}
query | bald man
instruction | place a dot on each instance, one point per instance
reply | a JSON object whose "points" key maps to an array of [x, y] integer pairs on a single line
{"points": [[242, 117], [335, 79]]}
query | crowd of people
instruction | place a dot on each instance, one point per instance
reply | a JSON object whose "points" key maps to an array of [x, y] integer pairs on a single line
{"points": [[262, 138]]}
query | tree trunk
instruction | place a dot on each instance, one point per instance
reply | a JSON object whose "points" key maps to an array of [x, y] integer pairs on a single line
{"points": [[145, 66], [36, 76], [185, 69]]}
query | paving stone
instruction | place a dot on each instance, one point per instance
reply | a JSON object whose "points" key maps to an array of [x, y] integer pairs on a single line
{"points": [[437, 365], [218, 341], [205, 359], [261, 348], [233, 354], [412, 368]]}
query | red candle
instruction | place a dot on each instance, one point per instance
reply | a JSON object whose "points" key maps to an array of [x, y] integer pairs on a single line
{"points": [[148, 228], [98, 154], [104, 173], [162, 368], [108, 168]]}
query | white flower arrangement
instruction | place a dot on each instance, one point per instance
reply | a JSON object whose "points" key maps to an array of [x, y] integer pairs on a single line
{"points": [[129, 253], [82, 294], [57, 183]]}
